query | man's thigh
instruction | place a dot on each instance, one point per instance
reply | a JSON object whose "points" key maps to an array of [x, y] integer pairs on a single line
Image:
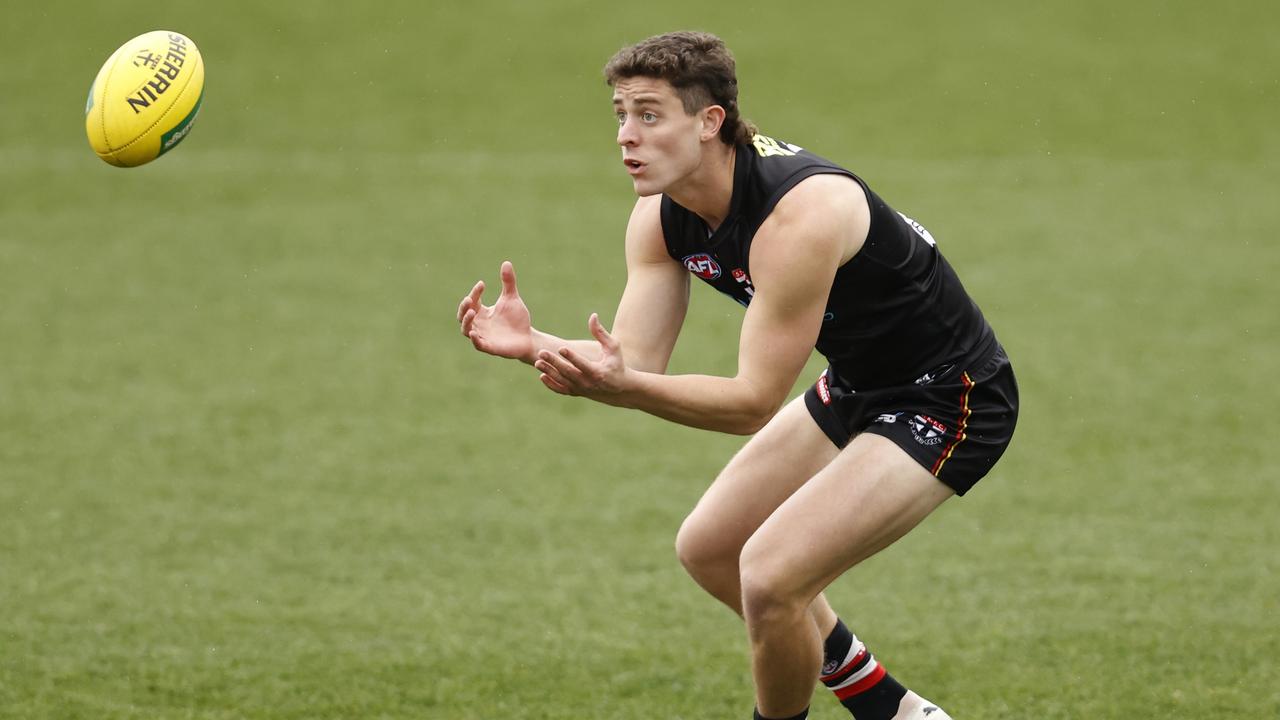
{"points": [[779, 459], [870, 495]]}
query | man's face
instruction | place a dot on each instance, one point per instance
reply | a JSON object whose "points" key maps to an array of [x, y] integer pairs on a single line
{"points": [[661, 143]]}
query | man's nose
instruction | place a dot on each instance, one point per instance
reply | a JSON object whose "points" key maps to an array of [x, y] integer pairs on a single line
{"points": [[627, 133]]}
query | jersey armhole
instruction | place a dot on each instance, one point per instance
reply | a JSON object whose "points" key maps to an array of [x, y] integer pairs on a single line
{"points": [[666, 218]]}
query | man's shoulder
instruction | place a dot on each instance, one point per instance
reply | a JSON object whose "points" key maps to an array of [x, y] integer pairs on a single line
{"points": [[646, 213], [821, 210], [645, 237], [823, 187]]}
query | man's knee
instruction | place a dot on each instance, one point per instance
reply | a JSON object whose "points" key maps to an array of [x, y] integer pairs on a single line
{"points": [[702, 548], [768, 590]]}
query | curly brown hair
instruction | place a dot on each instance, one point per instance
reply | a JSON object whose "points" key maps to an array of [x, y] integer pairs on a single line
{"points": [[699, 67]]}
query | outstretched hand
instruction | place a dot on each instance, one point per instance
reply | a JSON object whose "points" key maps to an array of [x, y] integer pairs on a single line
{"points": [[570, 373], [502, 329]]}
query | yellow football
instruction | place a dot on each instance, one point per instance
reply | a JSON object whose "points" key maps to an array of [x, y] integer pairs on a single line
{"points": [[145, 98]]}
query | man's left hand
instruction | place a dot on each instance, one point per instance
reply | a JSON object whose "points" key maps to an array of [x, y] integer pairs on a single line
{"points": [[569, 373]]}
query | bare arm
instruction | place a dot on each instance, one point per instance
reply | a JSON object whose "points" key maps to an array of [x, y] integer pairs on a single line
{"points": [[656, 299], [817, 227], [648, 320]]}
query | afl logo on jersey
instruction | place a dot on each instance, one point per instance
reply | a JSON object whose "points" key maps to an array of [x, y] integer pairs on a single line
{"points": [[702, 265]]}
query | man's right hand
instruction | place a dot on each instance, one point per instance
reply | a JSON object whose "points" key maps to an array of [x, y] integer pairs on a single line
{"points": [[502, 329]]}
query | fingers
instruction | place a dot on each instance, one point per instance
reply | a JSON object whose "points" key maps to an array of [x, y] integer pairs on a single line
{"points": [[471, 301], [553, 385], [476, 336], [582, 365], [509, 279], [561, 370], [599, 333], [468, 321]]}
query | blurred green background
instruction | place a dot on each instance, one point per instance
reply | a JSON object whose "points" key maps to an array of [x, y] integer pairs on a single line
{"points": [[248, 468]]}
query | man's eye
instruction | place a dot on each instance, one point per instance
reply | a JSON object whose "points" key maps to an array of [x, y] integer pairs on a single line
{"points": [[622, 117], [649, 117]]}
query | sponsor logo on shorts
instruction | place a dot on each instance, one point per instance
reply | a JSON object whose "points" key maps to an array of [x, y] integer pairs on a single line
{"points": [[702, 265], [888, 418], [824, 389], [926, 430]]}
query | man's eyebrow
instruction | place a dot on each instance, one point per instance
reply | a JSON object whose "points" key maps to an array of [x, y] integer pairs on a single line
{"points": [[642, 100]]}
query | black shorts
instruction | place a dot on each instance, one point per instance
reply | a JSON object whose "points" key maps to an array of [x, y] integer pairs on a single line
{"points": [[955, 421]]}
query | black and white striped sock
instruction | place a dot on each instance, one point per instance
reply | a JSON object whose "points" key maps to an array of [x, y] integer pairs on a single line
{"points": [[857, 679]]}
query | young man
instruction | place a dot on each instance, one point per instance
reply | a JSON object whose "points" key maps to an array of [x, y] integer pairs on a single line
{"points": [[918, 402]]}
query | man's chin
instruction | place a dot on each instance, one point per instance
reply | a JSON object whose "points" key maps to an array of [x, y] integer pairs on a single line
{"points": [[644, 189]]}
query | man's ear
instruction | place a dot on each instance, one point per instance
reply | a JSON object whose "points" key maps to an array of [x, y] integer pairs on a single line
{"points": [[712, 119]]}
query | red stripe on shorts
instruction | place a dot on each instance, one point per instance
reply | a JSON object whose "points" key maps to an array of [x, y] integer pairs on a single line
{"points": [[964, 423]]}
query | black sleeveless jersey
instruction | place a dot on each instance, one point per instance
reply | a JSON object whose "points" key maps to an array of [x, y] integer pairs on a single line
{"points": [[896, 310]]}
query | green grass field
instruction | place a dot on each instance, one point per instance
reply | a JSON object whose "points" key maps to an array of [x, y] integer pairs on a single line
{"points": [[248, 468]]}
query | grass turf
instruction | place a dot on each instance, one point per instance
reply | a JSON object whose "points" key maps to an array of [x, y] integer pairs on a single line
{"points": [[248, 469]]}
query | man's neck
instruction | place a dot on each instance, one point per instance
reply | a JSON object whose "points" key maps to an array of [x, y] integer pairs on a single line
{"points": [[708, 191]]}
